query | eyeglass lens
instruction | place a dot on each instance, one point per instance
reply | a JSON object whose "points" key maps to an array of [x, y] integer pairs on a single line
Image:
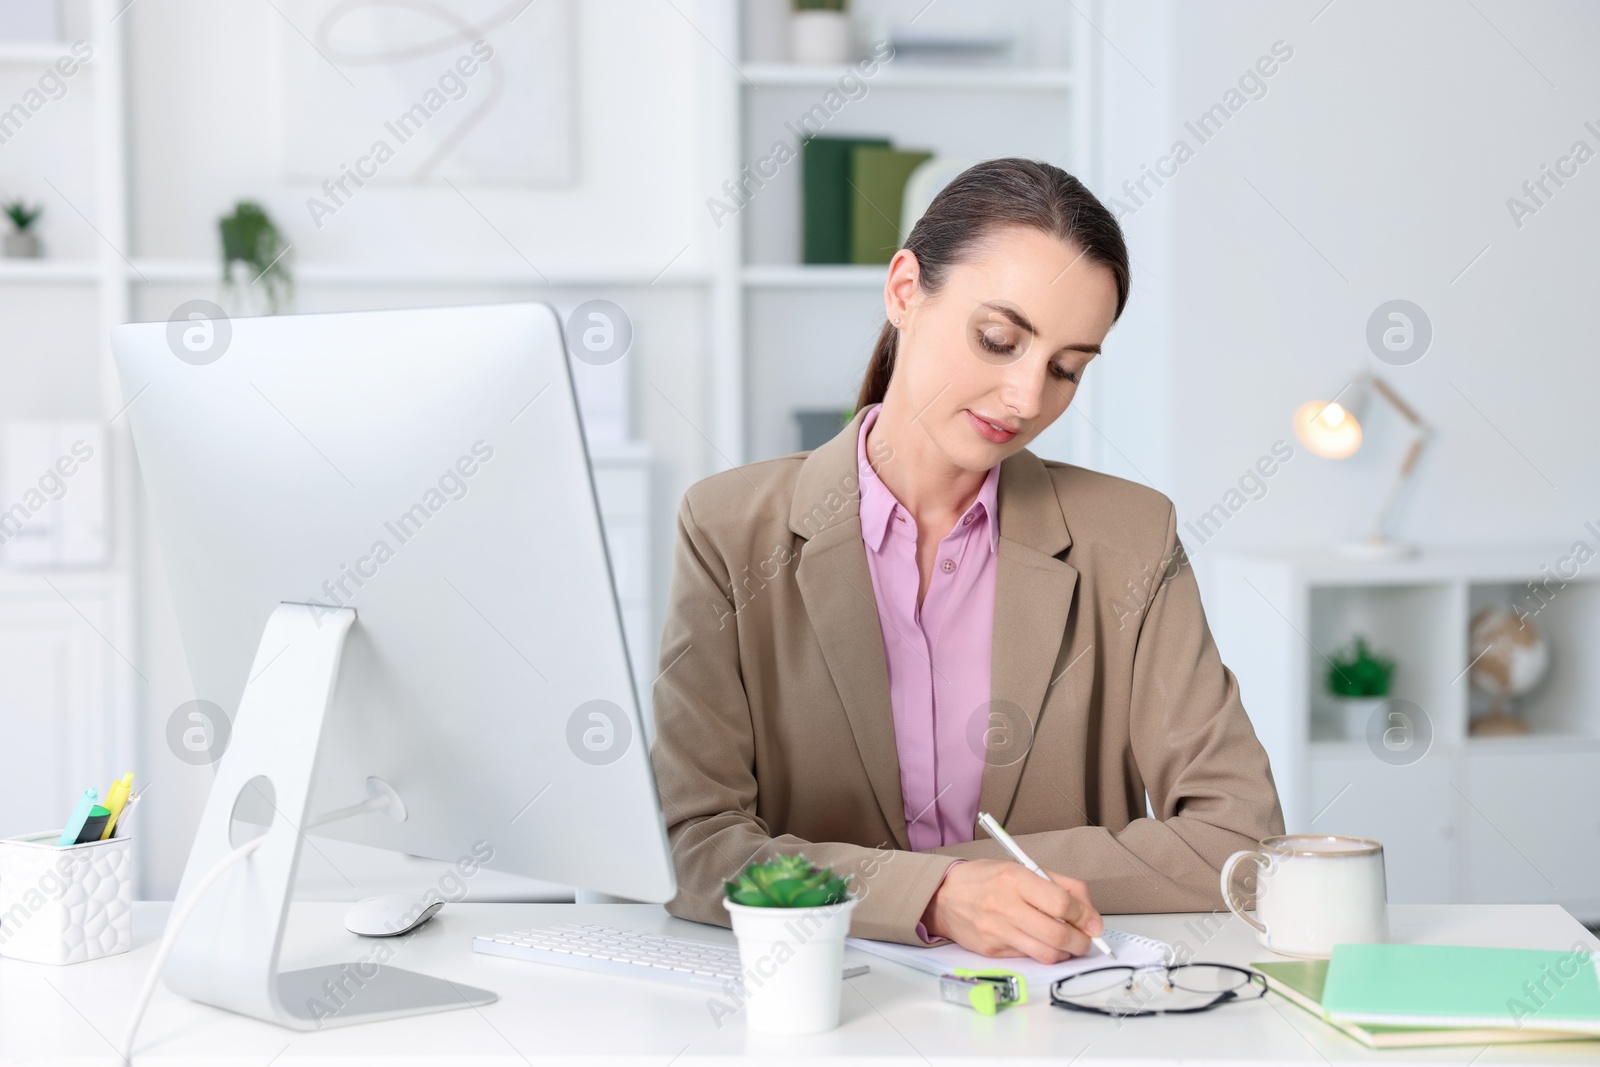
{"points": [[1125, 990]]}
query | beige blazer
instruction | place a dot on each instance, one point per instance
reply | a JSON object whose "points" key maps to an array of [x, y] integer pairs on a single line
{"points": [[774, 731]]}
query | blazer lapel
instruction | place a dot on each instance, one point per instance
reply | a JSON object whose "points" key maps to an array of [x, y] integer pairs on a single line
{"points": [[837, 589], [1033, 599]]}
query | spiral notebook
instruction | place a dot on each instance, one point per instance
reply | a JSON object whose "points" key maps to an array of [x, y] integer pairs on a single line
{"points": [[942, 959]]}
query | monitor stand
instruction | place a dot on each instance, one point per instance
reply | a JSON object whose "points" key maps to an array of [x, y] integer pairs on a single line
{"points": [[227, 954]]}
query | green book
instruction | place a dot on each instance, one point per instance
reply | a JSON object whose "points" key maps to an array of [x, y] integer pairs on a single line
{"points": [[877, 189], [1301, 983], [1458, 986], [825, 198]]}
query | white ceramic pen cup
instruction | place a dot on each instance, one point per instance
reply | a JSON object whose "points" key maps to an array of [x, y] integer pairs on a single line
{"points": [[1314, 891], [65, 904]]}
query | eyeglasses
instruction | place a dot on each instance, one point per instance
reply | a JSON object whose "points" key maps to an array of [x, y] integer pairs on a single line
{"points": [[1180, 989]]}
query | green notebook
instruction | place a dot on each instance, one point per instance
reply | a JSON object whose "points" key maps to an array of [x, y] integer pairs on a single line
{"points": [[826, 197], [1458, 986], [1301, 983], [877, 189]]}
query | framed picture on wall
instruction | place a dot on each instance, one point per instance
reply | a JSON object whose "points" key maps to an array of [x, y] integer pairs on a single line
{"points": [[473, 91]]}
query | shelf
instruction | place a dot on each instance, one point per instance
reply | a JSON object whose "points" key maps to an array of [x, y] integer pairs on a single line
{"points": [[42, 53], [1325, 567], [815, 276], [908, 76], [188, 271], [1555, 742], [49, 270]]}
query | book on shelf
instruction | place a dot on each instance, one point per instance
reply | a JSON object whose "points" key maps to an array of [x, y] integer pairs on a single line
{"points": [[877, 188], [826, 195]]}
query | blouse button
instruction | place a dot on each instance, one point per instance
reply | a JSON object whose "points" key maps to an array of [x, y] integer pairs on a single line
{"points": [[966, 519], [948, 565]]}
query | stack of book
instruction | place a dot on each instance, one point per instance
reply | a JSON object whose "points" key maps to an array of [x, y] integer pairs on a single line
{"points": [[1409, 996], [852, 200]]}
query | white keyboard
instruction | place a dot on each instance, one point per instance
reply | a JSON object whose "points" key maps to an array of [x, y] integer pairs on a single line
{"points": [[604, 948]]}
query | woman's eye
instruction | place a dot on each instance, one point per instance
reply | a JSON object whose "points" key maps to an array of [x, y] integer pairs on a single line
{"points": [[994, 344], [1061, 372]]}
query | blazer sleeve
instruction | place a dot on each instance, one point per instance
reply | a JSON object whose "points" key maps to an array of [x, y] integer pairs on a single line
{"points": [[703, 756], [1207, 776]]}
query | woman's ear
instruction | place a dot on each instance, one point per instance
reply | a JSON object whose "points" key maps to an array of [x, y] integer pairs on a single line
{"points": [[899, 290]]}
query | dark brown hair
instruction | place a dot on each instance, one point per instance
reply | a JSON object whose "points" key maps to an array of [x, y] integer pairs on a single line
{"points": [[984, 197]]}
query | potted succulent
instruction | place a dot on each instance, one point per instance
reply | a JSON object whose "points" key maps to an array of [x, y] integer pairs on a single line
{"points": [[253, 252], [820, 32], [24, 243], [1359, 681], [790, 918]]}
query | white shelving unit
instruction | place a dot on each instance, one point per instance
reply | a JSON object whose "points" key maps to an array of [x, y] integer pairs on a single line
{"points": [[1463, 819], [788, 335], [68, 643]]}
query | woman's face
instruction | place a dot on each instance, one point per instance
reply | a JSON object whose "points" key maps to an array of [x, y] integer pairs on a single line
{"points": [[1003, 344]]}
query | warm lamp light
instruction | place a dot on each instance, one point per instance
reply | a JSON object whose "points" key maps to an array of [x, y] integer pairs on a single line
{"points": [[1327, 429], [1332, 429]]}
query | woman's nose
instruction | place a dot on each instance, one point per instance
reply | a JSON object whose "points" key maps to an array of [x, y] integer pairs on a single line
{"points": [[1022, 389]]}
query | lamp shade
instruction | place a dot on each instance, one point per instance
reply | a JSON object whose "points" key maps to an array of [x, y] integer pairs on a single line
{"points": [[1328, 429]]}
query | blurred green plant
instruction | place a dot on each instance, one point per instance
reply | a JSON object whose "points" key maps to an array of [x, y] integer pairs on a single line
{"points": [[787, 882], [1360, 672], [21, 215], [249, 236], [820, 5]]}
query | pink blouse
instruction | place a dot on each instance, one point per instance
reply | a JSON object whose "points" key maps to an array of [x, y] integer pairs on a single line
{"points": [[938, 654]]}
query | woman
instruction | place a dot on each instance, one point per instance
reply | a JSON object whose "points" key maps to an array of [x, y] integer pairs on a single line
{"points": [[860, 654]]}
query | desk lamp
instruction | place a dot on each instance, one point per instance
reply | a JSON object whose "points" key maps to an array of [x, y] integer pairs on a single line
{"points": [[1333, 429]]}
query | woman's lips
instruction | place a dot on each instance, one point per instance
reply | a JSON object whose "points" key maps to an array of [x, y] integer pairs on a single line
{"points": [[988, 432]]}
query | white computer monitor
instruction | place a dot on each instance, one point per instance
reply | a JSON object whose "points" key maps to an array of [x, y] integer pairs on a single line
{"points": [[388, 566]]}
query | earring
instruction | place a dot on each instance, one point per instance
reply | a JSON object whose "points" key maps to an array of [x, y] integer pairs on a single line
{"points": [[896, 320]]}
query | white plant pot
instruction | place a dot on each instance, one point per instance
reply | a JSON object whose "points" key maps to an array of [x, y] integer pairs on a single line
{"points": [[22, 246], [820, 37], [1354, 714], [792, 960]]}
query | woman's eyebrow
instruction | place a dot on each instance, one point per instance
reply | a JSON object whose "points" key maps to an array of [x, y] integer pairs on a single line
{"points": [[1019, 319]]}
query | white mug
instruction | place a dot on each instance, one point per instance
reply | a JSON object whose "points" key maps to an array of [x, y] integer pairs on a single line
{"points": [[1314, 891]]}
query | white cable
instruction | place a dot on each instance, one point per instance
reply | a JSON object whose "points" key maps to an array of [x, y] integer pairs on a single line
{"points": [[175, 924]]}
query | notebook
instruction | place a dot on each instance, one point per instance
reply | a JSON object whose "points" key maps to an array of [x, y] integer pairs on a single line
{"points": [[1301, 982], [942, 959], [1456, 986]]}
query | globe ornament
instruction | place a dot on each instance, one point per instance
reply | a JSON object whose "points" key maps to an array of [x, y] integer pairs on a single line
{"points": [[1510, 657]]}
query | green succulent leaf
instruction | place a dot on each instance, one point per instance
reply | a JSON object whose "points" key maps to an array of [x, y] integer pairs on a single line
{"points": [[813, 898], [787, 882]]}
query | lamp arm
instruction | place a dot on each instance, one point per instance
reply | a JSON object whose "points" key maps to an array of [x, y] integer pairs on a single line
{"points": [[1408, 465], [1405, 410]]}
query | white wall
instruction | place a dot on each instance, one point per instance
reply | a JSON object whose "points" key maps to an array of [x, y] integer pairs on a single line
{"points": [[1390, 141]]}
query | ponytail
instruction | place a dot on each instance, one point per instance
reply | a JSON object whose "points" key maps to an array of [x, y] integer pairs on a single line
{"points": [[879, 367]]}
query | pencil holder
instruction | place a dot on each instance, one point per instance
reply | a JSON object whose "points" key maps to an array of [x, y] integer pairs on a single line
{"points": [[65, 905]]}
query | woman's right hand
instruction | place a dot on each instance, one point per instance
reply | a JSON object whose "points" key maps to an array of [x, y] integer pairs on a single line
{"points": [[1000, 908]]}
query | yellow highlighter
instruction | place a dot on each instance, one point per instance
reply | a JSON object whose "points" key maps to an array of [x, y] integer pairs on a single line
{"points": [[116, 797]]}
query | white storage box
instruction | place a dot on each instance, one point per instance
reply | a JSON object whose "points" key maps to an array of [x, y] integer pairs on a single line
{"points": [[65, 905]]}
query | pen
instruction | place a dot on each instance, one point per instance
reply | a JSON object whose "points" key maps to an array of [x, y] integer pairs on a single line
{"points": [[121, 828], [115, 798], [995, 831], [94, 825], [74, 827]]}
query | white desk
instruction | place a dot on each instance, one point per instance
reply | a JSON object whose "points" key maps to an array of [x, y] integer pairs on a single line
{"points": [[553, 1015]]}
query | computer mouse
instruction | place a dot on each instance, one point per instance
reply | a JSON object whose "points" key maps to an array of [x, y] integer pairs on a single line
{"points": [[389, 916]]}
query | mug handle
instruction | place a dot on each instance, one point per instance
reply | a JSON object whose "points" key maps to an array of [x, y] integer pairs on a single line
{"points": [[1227, 885]]}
